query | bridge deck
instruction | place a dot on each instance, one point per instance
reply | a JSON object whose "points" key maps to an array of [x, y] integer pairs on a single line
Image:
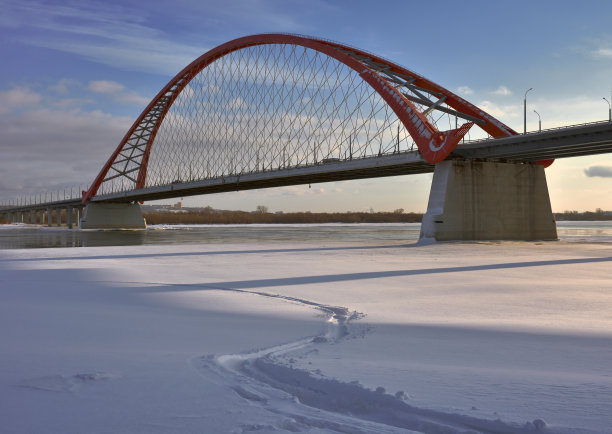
{"points": [[572, 141], [388, 165]]}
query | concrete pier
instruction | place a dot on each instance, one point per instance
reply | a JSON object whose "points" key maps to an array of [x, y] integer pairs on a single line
{"points": [[477, 200], [112, 216], [69, 211]]}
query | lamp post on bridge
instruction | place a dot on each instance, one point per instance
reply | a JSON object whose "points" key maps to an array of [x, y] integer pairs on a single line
{"points": [[609, 110], [539, 121], [525, 111]]}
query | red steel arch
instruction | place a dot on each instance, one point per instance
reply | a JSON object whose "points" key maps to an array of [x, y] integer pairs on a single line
{"points": [[433, 144]]}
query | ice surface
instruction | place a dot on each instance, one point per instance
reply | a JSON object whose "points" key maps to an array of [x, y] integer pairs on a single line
{"points": [[369, 337]]}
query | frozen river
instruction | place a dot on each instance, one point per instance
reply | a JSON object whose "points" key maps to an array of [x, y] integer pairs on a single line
{"points": [[327, 328], [25, 236]]}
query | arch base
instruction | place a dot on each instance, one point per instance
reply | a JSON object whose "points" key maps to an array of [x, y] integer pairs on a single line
{"points": [[482, 200], [112, 216]]}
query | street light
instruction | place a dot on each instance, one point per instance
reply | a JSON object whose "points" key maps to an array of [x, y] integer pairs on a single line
{"points": [[525, 111], [539, 121], [609, 109]]}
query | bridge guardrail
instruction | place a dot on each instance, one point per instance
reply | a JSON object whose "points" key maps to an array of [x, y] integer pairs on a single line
{"points": [[584, 124], [48, 198]]}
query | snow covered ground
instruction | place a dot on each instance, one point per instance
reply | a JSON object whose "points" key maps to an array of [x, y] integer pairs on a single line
{"points": [[310, 337]]}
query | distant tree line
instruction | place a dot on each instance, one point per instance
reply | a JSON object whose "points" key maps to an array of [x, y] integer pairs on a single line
{"points": [[261, 215], [597, 215], [209, 215]]}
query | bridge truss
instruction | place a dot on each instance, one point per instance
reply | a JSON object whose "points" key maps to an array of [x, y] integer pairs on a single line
{"points": [[268, 103]]}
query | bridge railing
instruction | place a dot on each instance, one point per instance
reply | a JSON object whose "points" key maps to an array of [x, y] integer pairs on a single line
{"points": [[584, 124], [49, 197], [187, 178]]}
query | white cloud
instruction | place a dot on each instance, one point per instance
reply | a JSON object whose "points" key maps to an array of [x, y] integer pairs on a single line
{"points": [[17, 98], [570, 111], [500, 111], [106, 34], [554, 112], [236, 103], [465, 90], [133, 98], [502, 91], [106, 87], [602, 52], [117, 91], [44, 149]]}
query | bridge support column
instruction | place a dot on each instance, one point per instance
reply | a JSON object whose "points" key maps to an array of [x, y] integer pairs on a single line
{"points": [[112, 216], [49, 217], [69, 217], [479, 200]]}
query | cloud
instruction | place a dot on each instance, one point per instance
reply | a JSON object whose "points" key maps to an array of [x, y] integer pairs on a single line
{"points": [[112, 35], [64, 85], [282, 16], [570, 111], [45, 149], [465, 90], [66, 103], [602, 52], [599, 171], [117, 91], [502, 91], [133, 98], [557, 112], [106, 87], [17, 98], [237, 103], [500, 111], [295, 191]]}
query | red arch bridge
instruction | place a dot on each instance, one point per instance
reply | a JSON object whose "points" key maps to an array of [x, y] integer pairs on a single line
{"points": [[276, 109]]}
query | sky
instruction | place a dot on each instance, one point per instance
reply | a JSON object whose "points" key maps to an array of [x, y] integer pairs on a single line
{"points": [[76, 74]]}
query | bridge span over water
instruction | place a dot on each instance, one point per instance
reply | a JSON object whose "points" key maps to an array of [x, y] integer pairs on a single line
{"points": [[275, 109]]}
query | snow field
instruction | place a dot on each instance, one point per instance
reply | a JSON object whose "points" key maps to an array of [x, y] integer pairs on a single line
{"points": [[477, 337]]}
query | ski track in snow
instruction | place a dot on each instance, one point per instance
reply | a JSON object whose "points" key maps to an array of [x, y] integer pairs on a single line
{"points": [[308, 403]]}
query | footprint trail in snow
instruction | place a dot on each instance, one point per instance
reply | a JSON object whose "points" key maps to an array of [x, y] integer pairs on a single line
{"points": [[305, 402]]}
